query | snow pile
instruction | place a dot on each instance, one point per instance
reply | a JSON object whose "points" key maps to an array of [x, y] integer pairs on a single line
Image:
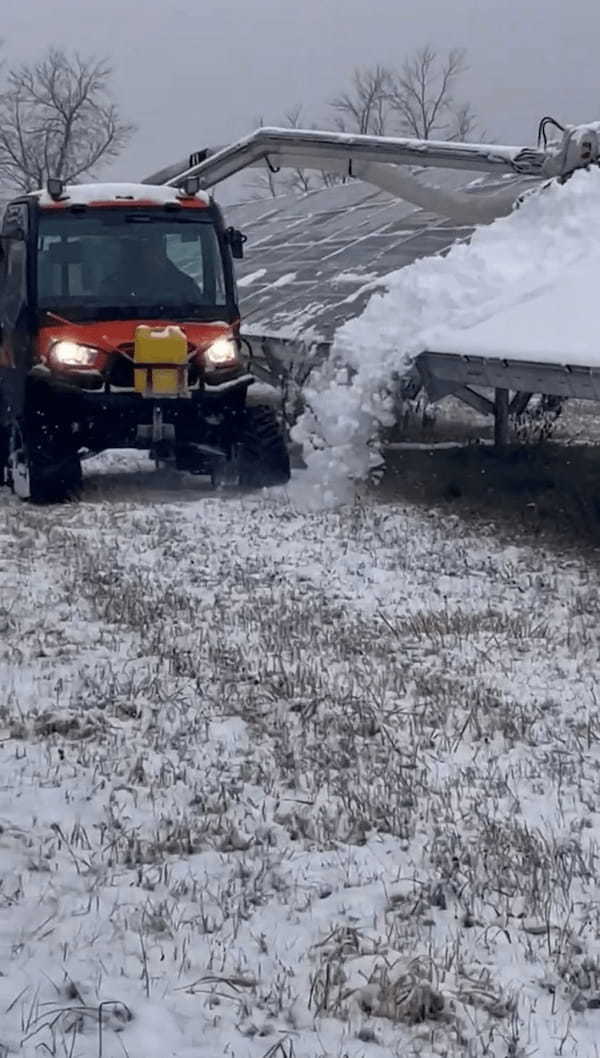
{"points": [[540, 328], [504, 264]]}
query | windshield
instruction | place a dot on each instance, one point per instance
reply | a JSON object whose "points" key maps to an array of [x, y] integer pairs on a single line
{"points": [[108, 263]]}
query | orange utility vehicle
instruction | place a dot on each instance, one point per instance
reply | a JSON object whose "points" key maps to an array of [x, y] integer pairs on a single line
{"points": [[119, 328]]}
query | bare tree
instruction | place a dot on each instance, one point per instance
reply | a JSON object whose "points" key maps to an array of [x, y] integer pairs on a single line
{"points": [[416, 100], [422, 98], [305, 180], [365, 106], [465, 124], [57, 119], [268, 182], [300, 180]]}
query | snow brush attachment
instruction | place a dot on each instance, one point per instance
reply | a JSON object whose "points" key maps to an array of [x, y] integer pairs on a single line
{"points": [[577, 148], [160, 362]]}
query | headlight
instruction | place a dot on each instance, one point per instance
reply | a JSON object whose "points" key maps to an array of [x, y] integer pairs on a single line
{"points": [[71, 354], [222, 351]]}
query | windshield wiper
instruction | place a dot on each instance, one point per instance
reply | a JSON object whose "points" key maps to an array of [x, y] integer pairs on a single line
{"points": [[55, 316]]}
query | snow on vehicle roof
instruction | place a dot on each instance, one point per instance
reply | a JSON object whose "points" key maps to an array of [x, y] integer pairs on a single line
{"points": [[85, 194]]}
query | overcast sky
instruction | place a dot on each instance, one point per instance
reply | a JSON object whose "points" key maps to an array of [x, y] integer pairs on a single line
{"points": [[197, 72]]}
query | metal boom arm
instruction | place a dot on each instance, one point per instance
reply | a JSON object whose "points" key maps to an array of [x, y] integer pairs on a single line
{"points": [[378, 160], [314, 149]]}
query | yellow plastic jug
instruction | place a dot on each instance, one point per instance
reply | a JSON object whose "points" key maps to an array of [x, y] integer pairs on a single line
{"points": [[160, 361]]}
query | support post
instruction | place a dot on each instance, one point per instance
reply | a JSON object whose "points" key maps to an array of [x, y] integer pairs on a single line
{"points": [[501, 423]]}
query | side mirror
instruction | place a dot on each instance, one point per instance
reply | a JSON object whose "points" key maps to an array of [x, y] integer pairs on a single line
{"points": [[235, 240]]}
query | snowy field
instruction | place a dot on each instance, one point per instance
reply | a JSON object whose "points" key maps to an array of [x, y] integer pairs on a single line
{"points": [[278, 783]]}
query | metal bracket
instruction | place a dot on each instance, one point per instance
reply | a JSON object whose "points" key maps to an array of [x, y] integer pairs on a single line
{"points": [[519, 403], [156, 431], [438, 388]]}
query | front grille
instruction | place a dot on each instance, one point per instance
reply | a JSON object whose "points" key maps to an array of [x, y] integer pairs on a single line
{"points": [[120, 372]]}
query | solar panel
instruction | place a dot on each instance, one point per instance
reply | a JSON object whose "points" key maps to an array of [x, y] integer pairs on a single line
{"points": [[313, 261]]}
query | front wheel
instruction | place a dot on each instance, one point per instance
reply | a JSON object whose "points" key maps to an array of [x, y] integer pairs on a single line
{"points": [[263, 458], [43, 467]]}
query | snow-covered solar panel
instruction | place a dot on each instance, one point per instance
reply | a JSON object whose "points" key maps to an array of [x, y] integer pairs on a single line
{"points": [[313, 261]]}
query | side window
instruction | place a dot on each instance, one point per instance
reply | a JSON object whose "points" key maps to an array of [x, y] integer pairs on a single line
{"points": [[14, 280], [16, 220], [48, 272], [220, 292]]}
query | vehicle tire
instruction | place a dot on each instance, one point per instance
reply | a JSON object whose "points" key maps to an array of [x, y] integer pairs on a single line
{"points": [[263, 456], [189, 460], [225, 473], [43, 465]]}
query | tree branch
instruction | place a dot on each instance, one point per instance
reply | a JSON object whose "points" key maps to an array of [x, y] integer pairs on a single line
{"points": [[57, 119]]}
